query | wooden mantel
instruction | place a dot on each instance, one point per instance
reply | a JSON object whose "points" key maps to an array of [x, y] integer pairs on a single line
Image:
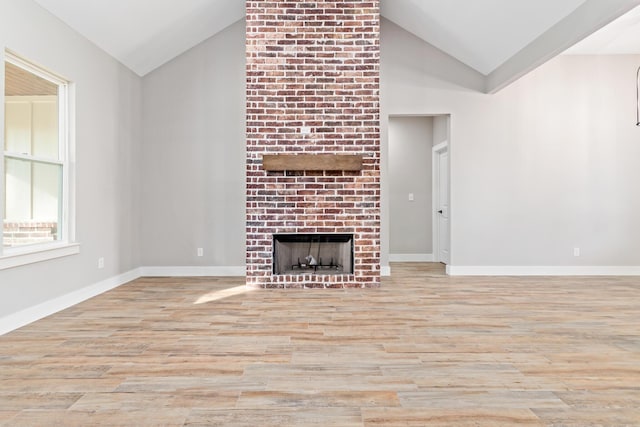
{"points": [[312, 162]]}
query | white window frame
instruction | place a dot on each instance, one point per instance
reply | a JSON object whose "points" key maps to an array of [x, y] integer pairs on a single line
{"points": [[66, 245]]}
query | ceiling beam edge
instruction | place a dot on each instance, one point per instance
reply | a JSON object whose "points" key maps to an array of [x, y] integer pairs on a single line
{"points": [[585, 20]]}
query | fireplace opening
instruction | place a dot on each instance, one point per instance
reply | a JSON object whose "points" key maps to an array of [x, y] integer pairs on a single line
{"points": [[321, 254]]}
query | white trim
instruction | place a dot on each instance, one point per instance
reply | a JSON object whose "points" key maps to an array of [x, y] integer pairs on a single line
{"points": [[47, 308], [435, 193], [194, 271], [40, 71], [440, 147], [18, 156], [411, 258], [31, 254], [508, 270], [70, 169], [2, 135]]}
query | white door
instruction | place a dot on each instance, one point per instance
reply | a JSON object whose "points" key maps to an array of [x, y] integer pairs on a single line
{"points": [[441, 202]]}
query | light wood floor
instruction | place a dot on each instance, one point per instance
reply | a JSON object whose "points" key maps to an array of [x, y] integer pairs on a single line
{"points": [[422, 350]]}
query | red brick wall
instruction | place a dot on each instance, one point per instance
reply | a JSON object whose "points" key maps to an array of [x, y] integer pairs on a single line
{"points": [[313, 64], [17, 233]]}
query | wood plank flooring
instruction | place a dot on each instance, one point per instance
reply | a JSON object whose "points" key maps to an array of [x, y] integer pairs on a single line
{"points": [[423, 350]]}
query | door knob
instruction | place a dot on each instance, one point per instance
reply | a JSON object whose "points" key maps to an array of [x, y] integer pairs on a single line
{"points": [[440, 211]]}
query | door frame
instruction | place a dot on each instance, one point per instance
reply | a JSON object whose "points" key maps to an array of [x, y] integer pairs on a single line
{"points": [[435, 195]]}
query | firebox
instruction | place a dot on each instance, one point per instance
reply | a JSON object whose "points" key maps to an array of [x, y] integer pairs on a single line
{"points": [[321, 254]]}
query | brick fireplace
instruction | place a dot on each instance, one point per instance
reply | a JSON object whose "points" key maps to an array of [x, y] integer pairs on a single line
{"points": [[313, 135]]}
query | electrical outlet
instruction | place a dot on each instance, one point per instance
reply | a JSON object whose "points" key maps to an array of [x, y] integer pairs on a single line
{"points": [[101, 262], [576, 251], [411, 197], [200, 252]]}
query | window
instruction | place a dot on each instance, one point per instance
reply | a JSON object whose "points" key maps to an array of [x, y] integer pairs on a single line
{"points": [[35, 163]]}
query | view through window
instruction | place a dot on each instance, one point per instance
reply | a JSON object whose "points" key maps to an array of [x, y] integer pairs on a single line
{"points": [[35, 153]]}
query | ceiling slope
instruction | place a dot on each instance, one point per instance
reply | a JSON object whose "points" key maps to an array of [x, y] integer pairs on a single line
{"points": [[481, 33], [500, 39], [585, 20], [620, 37], [144, 34]]}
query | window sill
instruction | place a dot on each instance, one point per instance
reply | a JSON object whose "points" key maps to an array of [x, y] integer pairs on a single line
{"points": [[15, 257]]}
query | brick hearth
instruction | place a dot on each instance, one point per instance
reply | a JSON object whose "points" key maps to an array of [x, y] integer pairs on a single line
{"points": [[313, 88]]}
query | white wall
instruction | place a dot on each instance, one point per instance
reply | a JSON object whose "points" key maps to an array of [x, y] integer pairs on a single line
{"points": [[548, 164], [513, 159], [194, 152], [107, 128], [410, 144]]}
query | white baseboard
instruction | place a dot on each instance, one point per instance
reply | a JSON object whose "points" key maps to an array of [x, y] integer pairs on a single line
{"points": [[385, 270], [195, 271], [47, 308], [464, 270], [411, 258], [31, 314]]}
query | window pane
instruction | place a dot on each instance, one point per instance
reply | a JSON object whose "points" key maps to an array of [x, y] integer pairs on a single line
{"points": [[32, 202], [31, 126], [31, 114], [17, 202], [17, 126], [47, 190], [45, 127]]}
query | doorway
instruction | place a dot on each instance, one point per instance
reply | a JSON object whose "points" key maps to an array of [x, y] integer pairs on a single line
{"points": [[441, 223], [418, 183]]}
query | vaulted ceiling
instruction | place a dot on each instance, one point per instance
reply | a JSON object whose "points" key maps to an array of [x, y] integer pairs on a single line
{"points": [[500, 39]]}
